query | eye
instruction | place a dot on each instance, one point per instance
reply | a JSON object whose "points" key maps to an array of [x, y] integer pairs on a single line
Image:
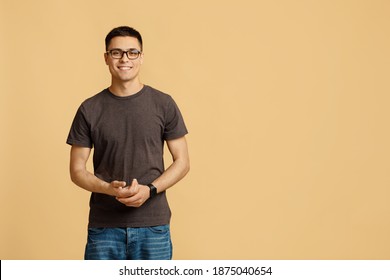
{"points": [[116, 52], [134, 52]]}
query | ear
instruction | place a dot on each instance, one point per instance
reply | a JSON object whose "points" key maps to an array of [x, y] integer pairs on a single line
{"points": [[106, 58], [141, 58]]}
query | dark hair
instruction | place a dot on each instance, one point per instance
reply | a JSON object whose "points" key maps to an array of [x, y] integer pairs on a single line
{"points": [[123, 31]]}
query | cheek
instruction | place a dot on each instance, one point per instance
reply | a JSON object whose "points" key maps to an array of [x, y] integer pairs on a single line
{"points": [[109, 64], [139, 63], [111, 69]]}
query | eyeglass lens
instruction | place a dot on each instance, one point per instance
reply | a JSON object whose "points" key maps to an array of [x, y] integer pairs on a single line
{"points": [[118, 53]]}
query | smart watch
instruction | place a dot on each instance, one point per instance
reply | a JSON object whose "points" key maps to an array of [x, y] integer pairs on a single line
{"points": [[153, 190]]}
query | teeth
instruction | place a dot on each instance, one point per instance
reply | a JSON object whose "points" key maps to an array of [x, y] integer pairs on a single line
{"points": [[124, 68]]}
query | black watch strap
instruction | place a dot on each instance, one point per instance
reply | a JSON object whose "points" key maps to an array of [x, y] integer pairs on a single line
{"points": [[153, 190]]}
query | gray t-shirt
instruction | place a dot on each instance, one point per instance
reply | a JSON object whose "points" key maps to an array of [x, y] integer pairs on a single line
{"points": [[127, 134]]}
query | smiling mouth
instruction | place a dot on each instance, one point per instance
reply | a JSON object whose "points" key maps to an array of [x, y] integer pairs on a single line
{"points": [[124, 67]]}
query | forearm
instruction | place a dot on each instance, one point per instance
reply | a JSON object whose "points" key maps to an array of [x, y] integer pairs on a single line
{"points": [[86, 180], [173, 174], [80, 175]]}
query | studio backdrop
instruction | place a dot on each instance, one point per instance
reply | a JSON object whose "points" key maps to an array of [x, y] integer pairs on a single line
{"points": [[286, 103]]}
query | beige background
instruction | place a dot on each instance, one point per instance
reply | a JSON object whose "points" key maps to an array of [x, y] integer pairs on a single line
{"points": [[287, 103]]}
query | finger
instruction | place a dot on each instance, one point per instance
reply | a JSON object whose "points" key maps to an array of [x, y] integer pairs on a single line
{"points": [[118, 184], [135, 200], [134, 183], [134, 186], [128, 201]]}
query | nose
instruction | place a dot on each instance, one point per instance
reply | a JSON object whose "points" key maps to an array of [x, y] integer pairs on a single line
{"points": [[124, 57]]}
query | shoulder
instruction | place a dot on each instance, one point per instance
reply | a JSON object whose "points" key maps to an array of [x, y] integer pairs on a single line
{"points": [[155, 93], [93, 103], [158, 95], [95, 99]]}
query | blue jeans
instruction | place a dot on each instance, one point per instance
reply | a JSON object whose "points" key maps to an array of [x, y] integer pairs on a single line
{"points": [[146, 243]]}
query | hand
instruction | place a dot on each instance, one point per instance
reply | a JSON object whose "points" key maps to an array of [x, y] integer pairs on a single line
{"points": [[116, 187], [134, 195], [119, 189]]}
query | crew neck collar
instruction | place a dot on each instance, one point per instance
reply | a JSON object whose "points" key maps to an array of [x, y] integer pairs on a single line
{"points": [[127, 97]]}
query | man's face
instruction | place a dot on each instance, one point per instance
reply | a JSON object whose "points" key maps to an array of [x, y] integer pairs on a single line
{"points": [[124, 69]]}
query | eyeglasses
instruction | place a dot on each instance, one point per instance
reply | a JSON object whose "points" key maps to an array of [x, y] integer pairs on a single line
{"points": [[118, 53]]}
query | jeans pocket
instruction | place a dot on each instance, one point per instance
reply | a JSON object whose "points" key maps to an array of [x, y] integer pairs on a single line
{"points": [[96, 231], [159, 229]]}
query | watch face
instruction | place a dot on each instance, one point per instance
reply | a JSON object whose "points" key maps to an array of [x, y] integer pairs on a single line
{"points": [[153, 190]]}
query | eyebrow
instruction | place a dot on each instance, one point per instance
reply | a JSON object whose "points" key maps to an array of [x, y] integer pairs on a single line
{"points": [[131, 49]]}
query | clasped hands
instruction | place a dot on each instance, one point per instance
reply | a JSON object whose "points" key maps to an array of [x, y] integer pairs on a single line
{"points": [[133, 196]]}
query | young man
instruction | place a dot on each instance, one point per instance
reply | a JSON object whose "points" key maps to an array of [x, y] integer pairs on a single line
{"points": [[127, 125]]}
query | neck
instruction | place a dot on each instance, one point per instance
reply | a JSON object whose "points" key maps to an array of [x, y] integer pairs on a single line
{"points": [[126, 89]]}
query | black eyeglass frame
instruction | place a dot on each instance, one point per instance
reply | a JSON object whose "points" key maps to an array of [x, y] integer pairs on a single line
{"points": [[122, 52]]}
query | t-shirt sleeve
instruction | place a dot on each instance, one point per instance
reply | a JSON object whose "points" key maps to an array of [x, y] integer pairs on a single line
{"points": [[80, 132], [174, 122]]}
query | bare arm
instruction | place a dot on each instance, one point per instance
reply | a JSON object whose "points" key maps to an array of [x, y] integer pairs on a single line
{"points": [[86, 180], [174, 173], [178, 169]]}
